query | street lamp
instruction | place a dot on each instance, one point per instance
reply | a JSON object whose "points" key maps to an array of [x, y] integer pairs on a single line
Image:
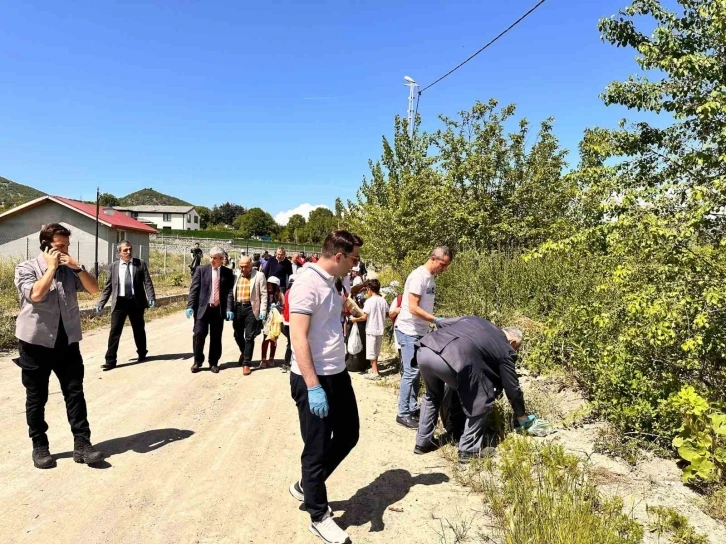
{"points": [[411, 84]]}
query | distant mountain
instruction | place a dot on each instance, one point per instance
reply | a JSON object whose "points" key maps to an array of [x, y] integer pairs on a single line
{"points": [[149, 197], [13, 194]]}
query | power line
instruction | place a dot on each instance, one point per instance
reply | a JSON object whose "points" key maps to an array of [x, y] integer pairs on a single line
{"points": [[515, 23]]}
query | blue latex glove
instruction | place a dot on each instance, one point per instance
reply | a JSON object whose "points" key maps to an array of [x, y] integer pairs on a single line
{"points": [[318, 401], [263, 315], [152, 303], [526, 424], [188, 312], [437, 320], [98, 309], [230, 316]]}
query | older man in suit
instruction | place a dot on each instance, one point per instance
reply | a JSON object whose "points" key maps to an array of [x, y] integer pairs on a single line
{"points": [[250, 307], [476, 358], [211, 300], [130, 289]]}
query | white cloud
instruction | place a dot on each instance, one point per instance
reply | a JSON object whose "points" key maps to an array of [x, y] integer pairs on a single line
{"points": [[303, 209]]}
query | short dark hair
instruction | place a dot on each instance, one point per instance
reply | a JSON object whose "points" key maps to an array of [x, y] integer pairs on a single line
{"points": [[51, 229], [340, 241], [374, 285], [196, 244]]}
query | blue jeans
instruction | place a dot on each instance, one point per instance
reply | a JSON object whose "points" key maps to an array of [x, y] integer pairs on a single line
{"points": [[408, 394]]}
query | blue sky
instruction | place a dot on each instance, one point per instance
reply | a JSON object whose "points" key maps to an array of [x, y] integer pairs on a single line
{"points": [[272, 104]]}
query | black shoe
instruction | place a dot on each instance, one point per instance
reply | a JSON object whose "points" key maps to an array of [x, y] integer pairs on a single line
{"points": [[485, 453], [407, 421], [42, 457], [196, 368], [84, 452], [108, 365], [416, 415], [215, 369], [141, 358], [428, 448]]}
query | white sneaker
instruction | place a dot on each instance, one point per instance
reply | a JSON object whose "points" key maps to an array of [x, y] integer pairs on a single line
{"points": [[329, 531]]}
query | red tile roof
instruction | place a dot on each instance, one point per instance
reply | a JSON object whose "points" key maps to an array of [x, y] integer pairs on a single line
{"points": [[118, 220]]}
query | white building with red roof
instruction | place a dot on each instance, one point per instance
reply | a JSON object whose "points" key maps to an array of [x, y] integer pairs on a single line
{"points": [[20, 227]]}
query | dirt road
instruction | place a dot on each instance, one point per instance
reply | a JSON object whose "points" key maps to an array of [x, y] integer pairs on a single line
{"points": [[207, 458]]}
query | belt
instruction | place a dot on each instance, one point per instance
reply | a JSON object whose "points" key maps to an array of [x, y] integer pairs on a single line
{"points": [[245, 303]]}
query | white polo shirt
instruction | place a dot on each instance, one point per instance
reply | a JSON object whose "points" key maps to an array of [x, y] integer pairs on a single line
{"points": [[314, 294]]}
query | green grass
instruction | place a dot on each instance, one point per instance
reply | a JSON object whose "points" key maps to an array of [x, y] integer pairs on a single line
{"points": [[667, 521], [536, 493]]}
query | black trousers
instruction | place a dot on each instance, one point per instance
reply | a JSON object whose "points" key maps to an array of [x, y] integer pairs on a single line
{"points": [[211, 323], [288, 349], [327, 440], [37, 363], [126, 307], [245, 330]]}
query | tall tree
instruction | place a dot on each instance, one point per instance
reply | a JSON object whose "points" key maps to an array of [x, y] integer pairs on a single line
{"points": [[321, 221], [256, 222], [296, 229], [226, 213], [205, 215], [108, 200]]}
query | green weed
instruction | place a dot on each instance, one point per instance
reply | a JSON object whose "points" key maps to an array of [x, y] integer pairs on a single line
{"points": [[667, 521]]}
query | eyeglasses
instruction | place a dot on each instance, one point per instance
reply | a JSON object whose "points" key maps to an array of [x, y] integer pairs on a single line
{"points": [[356, 260]]}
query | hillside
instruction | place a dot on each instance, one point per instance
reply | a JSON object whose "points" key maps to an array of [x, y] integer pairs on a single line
{"points": [[13, 194], [151, 197]]}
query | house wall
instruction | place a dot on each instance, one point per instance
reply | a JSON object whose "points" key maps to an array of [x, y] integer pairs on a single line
{"points": [[179, 221], [19, 234]]}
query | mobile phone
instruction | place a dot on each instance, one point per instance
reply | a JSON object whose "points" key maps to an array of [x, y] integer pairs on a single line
{"points": [[44, 245]]}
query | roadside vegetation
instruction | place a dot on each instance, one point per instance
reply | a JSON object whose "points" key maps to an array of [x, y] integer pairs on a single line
{"points": [[612, 262]]}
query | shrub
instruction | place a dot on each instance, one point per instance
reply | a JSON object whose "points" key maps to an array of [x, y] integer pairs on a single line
{"points": [[538, 494]]}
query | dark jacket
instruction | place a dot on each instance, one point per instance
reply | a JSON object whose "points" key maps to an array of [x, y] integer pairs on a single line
{"points": [[196, 258], [282, 270], [143, 287], [201, 290], [479, 353]]}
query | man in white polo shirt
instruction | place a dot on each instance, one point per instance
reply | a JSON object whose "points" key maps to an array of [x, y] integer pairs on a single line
{"points": [[319, 381], [414, 320]]}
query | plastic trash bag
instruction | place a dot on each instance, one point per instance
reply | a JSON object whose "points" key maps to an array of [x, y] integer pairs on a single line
{"points": [[355, 344], [539, 428], [273, 325]]}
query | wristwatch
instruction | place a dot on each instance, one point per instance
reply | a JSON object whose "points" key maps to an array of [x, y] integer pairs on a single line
{"points": [[79, 270]]}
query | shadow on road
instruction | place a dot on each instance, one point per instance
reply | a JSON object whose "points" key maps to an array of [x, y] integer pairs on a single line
{"points": [[162, 357], [143, 442], [370, 502]]}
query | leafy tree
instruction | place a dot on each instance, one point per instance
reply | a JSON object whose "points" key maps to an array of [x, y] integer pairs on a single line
{"points": [[295, 229], [469, 185], [655, 323], [108, 200], [226, 213], [321, 222], [256, 222], [205, 215]]}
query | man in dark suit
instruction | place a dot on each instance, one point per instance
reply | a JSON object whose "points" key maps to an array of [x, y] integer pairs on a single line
{"points": [[280, 267], [211, 300], [476, 358], [130, 289]]}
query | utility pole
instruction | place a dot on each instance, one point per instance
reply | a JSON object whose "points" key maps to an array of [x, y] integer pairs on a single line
{"points": [[98, 205], [412, 85]]}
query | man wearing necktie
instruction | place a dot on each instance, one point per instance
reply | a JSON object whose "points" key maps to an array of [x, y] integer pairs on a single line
{"points": [[211, 301], [131, 291]]}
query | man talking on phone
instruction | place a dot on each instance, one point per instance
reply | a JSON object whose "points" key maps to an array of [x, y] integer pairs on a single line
{"points": [[48, 328]]}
